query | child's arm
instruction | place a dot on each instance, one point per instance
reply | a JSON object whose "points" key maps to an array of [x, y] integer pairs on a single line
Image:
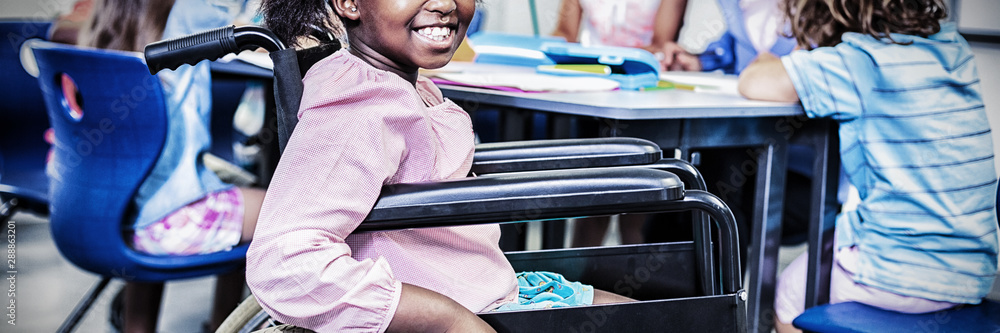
{"points": [[568, 26], [672, 56], [423, 310], [766, 79], [667, 23]]}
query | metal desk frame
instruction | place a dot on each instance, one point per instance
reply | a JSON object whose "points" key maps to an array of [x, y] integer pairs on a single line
{"points": [[688, 121]]}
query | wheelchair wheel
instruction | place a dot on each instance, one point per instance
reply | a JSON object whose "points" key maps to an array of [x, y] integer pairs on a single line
{"points": [[250, 317]]}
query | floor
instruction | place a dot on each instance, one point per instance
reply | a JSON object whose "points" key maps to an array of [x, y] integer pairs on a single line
{"points": [[47, 287]]}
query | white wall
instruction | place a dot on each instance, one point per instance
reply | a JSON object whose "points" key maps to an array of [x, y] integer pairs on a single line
{"points": [[34, 8], [988, 59], [513, 16], [977, 16]]}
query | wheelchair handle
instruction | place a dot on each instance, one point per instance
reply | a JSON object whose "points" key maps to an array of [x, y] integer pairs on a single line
{"points": [[211, 44]]}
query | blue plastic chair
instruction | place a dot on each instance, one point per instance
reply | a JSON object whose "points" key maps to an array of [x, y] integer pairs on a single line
{"points": [[23, 183], [100, 160], [852, 317]]}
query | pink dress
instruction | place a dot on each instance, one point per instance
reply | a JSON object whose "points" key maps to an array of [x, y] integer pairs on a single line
{"points": [[627, 23], [360, 128]]}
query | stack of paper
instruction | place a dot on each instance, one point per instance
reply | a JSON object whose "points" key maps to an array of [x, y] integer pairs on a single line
{"points": [[525, 81]]}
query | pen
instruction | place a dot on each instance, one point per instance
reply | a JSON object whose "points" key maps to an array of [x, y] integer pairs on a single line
{"points": [[577, 69]]}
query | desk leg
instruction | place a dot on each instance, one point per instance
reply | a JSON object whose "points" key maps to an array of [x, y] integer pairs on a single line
{"points": [[765, 147], [766, 237], [822, 136], [559, 127], [515, 125]]}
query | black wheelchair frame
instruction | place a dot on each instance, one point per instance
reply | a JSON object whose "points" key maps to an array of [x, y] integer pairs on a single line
{"points": [[680, 286]]}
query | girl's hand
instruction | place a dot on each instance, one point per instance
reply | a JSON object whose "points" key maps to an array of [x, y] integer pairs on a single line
{"points": [[673, 57]]}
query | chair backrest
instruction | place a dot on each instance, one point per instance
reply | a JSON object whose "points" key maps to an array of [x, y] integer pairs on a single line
{"points": [[22, 117], [104, 150]]}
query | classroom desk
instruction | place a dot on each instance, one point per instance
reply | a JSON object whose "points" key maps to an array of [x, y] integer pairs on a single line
{"points": [[689, 121]]}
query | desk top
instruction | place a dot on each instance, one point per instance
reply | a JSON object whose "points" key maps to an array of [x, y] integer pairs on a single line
{"points": [[627, 105], [618, 104]]}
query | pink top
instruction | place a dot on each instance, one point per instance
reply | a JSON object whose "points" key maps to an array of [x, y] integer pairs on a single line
{"points": [[360, 128], [627, 23]]}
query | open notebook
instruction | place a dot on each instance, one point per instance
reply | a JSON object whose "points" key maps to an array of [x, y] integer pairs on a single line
{"points": [[703, 82], [514, 78], [525, 82]]}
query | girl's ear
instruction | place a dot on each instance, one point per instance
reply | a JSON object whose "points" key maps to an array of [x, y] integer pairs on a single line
{"points": [[346, 9]]}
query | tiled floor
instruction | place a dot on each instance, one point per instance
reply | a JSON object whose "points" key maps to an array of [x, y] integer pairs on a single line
{"points": [[47, 288]]}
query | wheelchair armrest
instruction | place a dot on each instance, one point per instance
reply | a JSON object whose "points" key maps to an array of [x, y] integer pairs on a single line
{"points": [[552, 194], [521, 196], [497, 198], [534, 155]]}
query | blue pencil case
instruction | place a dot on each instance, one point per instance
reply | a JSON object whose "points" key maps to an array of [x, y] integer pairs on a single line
{"points": [[633, 68], [509, 49]]}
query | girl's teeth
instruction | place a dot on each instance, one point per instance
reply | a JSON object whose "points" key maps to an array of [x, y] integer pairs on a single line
{"points": [[436, 33]]}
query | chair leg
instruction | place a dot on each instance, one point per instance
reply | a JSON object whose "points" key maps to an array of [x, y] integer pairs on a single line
{"points": [[83, 306], [142, 306], [228, 295]]}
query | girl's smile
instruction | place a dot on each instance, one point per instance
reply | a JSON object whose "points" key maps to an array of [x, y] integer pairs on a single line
{"points": [[439, 36], [402, 36]]}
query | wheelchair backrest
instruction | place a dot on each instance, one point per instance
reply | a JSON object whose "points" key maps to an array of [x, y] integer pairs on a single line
{"points": [[290, 66]]}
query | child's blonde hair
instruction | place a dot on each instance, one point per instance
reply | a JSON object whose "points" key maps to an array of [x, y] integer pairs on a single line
{"points": [[125, 25], [817, 23]]}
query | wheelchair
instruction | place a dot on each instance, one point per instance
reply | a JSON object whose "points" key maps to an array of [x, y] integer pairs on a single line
{"points": [[681, 286]]}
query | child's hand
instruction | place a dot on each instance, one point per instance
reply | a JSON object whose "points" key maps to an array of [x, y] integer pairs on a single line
{"points": [[673, 57]]}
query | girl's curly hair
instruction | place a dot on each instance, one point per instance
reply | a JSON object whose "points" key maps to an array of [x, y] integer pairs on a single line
{"points": [[818, 23], [293, 20]]}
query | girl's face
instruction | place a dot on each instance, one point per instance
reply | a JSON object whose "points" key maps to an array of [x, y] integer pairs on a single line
{"points": [[404, 35]]}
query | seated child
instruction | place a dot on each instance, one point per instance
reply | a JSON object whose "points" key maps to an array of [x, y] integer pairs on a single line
{"points": [[651, 25], [914, 141], [183, 208], [368, 119]]}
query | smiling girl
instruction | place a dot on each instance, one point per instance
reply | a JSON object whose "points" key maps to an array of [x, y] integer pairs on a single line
{"points": [[367, 119]]}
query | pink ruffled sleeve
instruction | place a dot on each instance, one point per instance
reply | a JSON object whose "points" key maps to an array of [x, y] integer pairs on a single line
{"points": [[344, 148]]}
